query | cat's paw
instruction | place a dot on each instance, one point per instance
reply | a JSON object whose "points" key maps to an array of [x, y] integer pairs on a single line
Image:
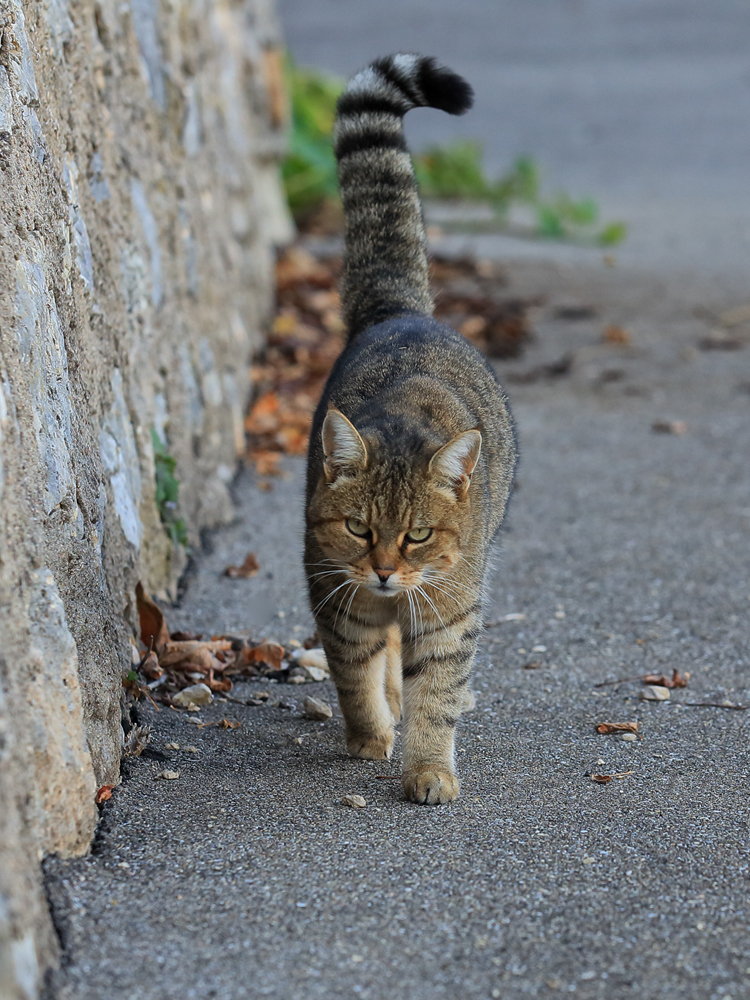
{"points": [[370, 747], [431, 787]]}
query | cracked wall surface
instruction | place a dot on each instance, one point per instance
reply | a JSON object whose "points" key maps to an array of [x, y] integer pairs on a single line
{"points": [[139, 202]]}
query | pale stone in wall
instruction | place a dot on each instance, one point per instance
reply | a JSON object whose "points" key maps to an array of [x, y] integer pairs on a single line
{"points": [[139, 201]]}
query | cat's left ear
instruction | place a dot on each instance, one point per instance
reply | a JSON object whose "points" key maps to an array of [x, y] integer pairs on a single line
{"points": [[343, 447], [456, 461]]}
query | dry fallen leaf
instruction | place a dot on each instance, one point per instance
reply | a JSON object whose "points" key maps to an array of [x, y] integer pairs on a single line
{"points": [[249, 568], [615, 335], [227, 724], [605, 728], [154, 632], [267, 652], [104, 794], [604, 779], [677, 680], [150, 666], [179, 652], [266, 462]]}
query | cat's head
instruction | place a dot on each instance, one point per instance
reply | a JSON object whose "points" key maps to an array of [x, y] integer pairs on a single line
{"points": [[391, 523]]}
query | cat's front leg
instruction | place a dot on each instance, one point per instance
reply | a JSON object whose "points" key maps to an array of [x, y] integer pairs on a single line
{"points": [[436, 676], [357, 660]]}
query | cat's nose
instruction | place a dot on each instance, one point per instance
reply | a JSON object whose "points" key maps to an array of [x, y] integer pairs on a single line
{"points": [[383, 574]]}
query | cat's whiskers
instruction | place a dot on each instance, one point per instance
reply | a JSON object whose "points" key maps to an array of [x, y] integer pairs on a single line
{"points": [[351, 599], [418, 590], [330, 572], [326, 599], [418, 609], [448, 587], [341, 601], [412, 616], [471, 564]]}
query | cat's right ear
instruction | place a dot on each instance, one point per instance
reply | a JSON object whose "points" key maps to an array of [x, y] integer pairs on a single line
{"points": [[343, 447], [455, 462]]}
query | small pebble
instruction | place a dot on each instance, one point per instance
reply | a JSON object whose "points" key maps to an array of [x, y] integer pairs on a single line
{"points": [[653, 692], [317, 673], [123, 864], [311, 658], [669, 426], [628, 737], [315, 709], [172, 746], [355, 801], [195, 695], [191, 749], [169, 775]]}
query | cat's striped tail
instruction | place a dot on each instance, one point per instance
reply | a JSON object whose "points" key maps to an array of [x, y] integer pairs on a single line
{"points": [[385, 262]]}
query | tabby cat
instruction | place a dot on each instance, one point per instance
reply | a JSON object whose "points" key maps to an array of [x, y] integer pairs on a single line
{"points": [[411, 454]]}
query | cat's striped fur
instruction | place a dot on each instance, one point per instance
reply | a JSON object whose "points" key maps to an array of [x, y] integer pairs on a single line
{"points": [[411, 456]]}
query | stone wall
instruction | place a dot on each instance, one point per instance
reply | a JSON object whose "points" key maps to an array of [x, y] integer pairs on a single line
{"points": [[139, 200]]}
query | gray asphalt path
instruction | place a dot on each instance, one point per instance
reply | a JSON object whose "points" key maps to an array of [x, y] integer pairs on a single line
{"points": [[626, 551], [642, 104]]}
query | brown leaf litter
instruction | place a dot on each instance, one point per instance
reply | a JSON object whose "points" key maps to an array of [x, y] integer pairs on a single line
{"points": [[154, 632], [677, 680], [604, 779], [616, 335], [605, 728], [307, 335], [248, 568], [184, 660]]}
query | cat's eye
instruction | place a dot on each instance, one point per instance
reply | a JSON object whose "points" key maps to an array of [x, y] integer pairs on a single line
{"points": [[418, 534], [358, 528]]}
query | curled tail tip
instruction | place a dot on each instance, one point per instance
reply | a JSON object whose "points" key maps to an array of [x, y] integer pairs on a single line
{"points": [[444, 89], [403, 81]]}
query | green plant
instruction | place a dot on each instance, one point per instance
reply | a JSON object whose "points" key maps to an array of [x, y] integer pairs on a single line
{"points": [[455, 170], [309, 170], [167, 491]]}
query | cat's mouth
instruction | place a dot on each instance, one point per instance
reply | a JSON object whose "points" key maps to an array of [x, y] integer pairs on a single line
{"points": [[383, 589]]}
